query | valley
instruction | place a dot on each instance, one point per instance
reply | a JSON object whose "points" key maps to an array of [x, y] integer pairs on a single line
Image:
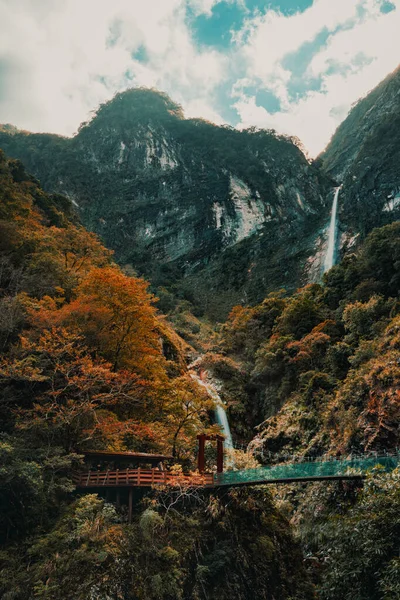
{"points": [[164, 277]]}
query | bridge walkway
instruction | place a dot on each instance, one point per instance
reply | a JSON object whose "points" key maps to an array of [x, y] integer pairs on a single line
{"points": [[354, 468]]}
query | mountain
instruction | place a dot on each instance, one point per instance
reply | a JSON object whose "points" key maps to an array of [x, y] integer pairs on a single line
{"points": [[364, 155], [210, 213]]}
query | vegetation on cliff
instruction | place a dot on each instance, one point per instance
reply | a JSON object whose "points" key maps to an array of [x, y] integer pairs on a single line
{"points": [[205, 546], [319, 369], [317, 374], [86, 360]]}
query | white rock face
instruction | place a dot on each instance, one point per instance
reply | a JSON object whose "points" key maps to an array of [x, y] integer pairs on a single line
{"points": [[392, 202], [178, 244], [159, 149], [299, 200], [348, 241], [218, 211], [121, 152], [250, 211], [314, 265]]}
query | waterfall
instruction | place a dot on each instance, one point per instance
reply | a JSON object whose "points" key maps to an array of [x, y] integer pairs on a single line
{"points": [[220, 413], [330, 253], [222, 420]]}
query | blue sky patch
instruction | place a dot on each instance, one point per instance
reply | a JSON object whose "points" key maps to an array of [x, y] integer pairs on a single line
{"points": [[223, 103], [215, 30], [268, 100], [140, 54], [298, 62], [387, 7]]}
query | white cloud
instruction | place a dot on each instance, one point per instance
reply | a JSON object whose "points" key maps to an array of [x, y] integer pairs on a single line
{"points": [[267, 39], [59, 59], [359, 30]]}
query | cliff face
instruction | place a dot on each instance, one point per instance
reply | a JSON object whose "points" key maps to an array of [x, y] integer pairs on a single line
{"points": [[186, 203], [364, 155]]}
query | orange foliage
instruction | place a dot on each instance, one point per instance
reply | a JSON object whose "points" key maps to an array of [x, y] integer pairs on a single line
{"points": [[310, 349], [115, 315], [85, 363], [71, 387]]}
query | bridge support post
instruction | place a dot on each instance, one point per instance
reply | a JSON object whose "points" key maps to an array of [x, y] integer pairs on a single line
{"points": [[220, 455], [130, 502], [201, 454]]}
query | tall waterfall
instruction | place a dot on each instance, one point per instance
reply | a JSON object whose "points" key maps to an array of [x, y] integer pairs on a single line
{"points": [[330, 253], [220, 413]]}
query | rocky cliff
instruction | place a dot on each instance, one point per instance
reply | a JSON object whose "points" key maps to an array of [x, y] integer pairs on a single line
{"points": [[364, 155], [209, 212]]}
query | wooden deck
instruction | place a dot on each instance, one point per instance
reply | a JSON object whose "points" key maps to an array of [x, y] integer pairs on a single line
{"points": [[140, 478]]}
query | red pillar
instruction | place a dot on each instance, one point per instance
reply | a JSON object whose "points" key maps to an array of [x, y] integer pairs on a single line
{"points": [[220, 455], [200, 457]]}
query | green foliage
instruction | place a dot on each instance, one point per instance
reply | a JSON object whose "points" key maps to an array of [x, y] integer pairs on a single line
{"points": [[374, 270], [76, 558], [182, 546], [302, 313], [372, 524], [362, 319], [31, 486], [247, 328]]}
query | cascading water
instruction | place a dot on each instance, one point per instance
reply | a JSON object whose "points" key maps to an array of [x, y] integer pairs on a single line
{"points": [[222, 420], [330, 253], [220, 413]]}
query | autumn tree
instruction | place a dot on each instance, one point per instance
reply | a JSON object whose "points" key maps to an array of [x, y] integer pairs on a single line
{"points": [[117, 317], [187, 408], [55, 389]]}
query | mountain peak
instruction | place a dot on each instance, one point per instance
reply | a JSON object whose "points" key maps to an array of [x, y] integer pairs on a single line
{"points": [[135, 105]]}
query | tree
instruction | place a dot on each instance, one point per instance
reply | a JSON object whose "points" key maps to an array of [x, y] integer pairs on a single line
{"points": [[360, 548], [58, 389], [116, 315], [187, 408]]}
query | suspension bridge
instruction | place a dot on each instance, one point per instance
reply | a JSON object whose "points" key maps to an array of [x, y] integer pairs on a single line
{"points": [[118, 484], [301, 471], [317, 470]]}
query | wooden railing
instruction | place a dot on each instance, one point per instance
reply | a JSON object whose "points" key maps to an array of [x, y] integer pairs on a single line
{"points": [[140, 478]]}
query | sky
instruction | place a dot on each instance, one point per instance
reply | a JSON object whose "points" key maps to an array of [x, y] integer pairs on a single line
{"points": [[296, 66]]}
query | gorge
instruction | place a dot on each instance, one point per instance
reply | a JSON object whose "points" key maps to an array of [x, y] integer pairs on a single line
{"points": [[277, 325]]}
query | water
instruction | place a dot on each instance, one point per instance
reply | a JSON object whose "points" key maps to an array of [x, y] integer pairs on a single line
{"points": [[330, 253], [222, 420], [220, 413]]}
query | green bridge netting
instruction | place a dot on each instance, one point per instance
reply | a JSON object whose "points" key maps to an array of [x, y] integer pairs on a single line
{"points": [[308, 470]]}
